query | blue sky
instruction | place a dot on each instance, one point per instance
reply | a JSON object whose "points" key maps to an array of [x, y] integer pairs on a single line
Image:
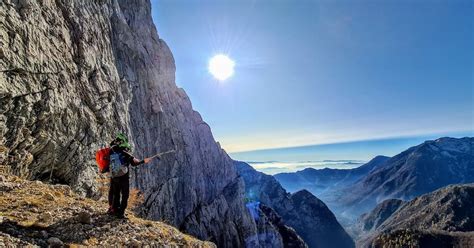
{"points": [[316, 72]]}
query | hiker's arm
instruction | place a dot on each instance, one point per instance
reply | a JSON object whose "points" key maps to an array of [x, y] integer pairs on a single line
{"points": [[136, 162], [144, 161], [133, 161]]}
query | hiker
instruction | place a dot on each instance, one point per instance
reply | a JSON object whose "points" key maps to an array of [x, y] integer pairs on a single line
{"points": [[120, 160]]}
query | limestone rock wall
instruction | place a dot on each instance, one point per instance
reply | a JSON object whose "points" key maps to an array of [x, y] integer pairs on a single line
{"points": [[73, 73], [61, 94]]}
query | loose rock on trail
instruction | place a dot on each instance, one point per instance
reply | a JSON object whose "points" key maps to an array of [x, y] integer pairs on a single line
{"points": [[38, 214]]}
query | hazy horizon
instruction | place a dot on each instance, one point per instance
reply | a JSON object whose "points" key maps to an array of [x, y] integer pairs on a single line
{"points": [[343, 155]]}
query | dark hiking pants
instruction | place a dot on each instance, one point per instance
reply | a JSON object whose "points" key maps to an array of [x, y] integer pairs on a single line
{"points": [[111, 194], [119, 186]]}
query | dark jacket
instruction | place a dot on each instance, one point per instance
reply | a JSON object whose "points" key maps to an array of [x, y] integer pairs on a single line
{"points": [[119, 186], [125, 155]]}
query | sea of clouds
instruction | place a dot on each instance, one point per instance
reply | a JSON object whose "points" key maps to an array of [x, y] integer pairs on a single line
{"points": [[274, 167]]}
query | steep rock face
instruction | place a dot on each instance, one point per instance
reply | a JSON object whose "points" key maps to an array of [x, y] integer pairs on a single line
{"points": [[418, 170], [61, 93], [73, 73], [268, 232], [302, 211], [288, 235], [264, 188], [447, 213], [187, 188], [312, 218]]}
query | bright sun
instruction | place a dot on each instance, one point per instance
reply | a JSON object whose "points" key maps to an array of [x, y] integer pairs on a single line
{"points": [[221, 67]]}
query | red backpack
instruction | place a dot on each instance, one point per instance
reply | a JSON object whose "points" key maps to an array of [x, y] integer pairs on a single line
{"points": [[102, 157]]}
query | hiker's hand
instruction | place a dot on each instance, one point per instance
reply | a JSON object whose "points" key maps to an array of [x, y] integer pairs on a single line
{"points": [[146, 160]]}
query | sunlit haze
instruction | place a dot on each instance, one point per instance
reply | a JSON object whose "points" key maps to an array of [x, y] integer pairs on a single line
{"points": [[317, 72]]}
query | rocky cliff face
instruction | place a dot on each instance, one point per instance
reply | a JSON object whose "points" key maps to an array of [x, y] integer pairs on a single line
{"points": [[61, 92], [313, 219], [73, 73], [302, 211], [289, 237]]}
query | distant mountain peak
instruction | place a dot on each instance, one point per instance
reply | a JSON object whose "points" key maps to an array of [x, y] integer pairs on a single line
{"points": [[380, 157], [418, 170], [450, 144], [304, 194]]}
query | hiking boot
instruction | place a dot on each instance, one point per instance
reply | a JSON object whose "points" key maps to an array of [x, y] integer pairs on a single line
{"points": [[111, 211], [121, 216]]}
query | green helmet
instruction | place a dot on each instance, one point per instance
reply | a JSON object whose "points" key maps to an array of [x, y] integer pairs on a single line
{"points": [[122, 141]]}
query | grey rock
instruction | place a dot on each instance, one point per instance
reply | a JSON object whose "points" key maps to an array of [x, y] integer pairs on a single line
{"points": [[84, 217], [8, 186], [289, 237], [73, 73], [55, 242]]}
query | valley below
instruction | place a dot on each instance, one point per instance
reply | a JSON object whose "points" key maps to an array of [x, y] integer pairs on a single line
{"points": [[385, 197], [75, 73]]}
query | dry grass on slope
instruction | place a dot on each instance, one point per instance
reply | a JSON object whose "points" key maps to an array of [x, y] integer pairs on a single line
{"points": [[34, 213]]}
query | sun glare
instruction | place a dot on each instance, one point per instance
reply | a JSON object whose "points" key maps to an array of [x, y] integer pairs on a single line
{"points": [[221, 67]]}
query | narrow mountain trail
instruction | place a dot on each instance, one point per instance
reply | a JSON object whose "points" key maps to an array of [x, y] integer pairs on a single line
{"points": [[36, 214]]}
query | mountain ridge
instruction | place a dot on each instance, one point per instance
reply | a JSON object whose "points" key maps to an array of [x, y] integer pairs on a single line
{"points": [[446, 215], [419, 169], [415, 171], [319, 179]]}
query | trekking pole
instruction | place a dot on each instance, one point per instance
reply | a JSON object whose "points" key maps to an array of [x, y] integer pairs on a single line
{"points": [[162, 153], [159, 154]]}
